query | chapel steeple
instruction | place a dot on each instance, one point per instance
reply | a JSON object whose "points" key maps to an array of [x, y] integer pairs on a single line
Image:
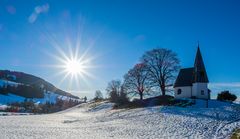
{"points": [[200, 74]]}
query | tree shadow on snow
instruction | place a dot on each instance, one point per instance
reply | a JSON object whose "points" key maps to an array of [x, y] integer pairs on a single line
{"points": [[220, 114]]}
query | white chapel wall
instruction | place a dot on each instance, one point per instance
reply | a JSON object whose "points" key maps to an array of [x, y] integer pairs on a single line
{"points": [[200, 90], [185, 93]]}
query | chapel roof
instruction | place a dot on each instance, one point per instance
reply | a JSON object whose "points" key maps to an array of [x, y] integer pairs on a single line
{"points": [[185, 77]]}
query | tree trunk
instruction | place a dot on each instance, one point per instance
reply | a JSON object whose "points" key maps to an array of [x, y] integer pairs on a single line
{"points": [[163, 91], [141, 95]]}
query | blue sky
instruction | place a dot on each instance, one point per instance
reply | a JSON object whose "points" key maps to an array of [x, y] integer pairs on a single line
{"points": [[116, 33]]}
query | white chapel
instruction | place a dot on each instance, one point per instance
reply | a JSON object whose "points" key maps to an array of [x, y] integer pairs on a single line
{"points": [[193, 82]]}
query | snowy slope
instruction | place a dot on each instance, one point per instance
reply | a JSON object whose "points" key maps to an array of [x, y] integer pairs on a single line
{"points": [[10, 98], [201, 103], [86, 121], [30, 80]]}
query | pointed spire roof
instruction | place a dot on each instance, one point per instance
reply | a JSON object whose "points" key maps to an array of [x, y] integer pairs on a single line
{"points": [[200, 74]]}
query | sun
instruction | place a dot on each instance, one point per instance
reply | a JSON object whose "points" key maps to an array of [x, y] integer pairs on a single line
{"points": [[74, 63], [74, 67]]}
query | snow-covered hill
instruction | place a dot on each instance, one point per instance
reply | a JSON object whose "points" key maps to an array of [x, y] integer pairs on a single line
{"points": [[17, 87], [30, 83], [93, 121]]}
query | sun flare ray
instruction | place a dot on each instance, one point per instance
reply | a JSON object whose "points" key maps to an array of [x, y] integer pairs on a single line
{"points": [[73, 59], [74, 65]]}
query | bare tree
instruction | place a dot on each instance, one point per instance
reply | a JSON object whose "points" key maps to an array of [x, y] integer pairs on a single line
{"points": [[114, 85], [116, 92], [98, 95], [136, 82], [114, 89], [162, 65]]}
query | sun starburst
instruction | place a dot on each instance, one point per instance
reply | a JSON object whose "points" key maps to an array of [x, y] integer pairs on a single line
{"points": [[74, 65]]}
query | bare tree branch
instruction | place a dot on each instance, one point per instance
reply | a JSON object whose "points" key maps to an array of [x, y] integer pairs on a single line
{"points": [[162, 65]]}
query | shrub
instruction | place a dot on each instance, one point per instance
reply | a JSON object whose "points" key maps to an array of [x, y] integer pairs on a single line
{"points": [[226, 96]]}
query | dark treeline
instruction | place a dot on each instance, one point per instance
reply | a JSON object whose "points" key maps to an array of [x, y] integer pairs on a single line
{"points": [[26, 91], [48, 107]]}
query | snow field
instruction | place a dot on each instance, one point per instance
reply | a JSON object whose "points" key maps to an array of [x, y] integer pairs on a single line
{"points": [[100, 122]]}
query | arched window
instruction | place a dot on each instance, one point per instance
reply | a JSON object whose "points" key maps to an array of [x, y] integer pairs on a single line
{"points": [[202, 92], [179, 91]]}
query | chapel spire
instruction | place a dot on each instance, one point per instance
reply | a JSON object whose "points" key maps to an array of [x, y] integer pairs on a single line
{"points": [[200, 74]]}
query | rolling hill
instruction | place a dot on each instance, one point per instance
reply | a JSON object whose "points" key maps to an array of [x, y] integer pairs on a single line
{"points": [[15, 84]]}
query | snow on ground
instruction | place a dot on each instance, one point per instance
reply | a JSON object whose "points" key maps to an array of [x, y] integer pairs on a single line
{"points": [[201, 103], [98, 107], [99, 121]]}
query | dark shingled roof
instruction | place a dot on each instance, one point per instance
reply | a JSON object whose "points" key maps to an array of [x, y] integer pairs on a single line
{"points": [[185, 77]]}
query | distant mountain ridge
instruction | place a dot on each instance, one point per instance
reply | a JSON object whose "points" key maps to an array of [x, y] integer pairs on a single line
{"points": [[30, 82]]}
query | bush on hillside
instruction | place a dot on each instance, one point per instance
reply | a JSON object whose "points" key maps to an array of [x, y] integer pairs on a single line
{"points": [[153, 101], [226, 96]]}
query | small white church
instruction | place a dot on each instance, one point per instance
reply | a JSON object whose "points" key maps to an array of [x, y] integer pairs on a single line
{"points": [[193, 82]]}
